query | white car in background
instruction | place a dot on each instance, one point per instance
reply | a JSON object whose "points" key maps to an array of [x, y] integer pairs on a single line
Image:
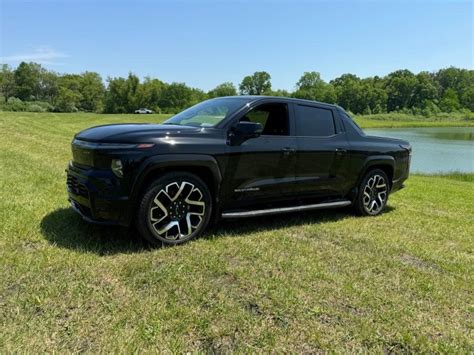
{"points": [[143, 110]]}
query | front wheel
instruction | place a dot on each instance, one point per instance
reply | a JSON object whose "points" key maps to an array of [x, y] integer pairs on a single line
{"points": [[174, 209], [373, 193]]}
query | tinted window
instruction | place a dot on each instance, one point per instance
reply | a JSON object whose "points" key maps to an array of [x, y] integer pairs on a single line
{"points": [[272, 117], [313, 121], [208, 113], [354, 124]]}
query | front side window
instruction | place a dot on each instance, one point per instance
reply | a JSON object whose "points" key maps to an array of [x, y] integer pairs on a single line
{"points": [[314, 121], [273, 118], [208, 113]]}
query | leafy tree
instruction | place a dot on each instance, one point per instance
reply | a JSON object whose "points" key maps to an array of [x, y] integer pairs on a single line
{"points": [[49, 85], [310, 80], [197, 95], [7, 82], [69, 89], [149, 93], [425, 90], [123, 95], [350, 93], [448, 89], [175, 97], [66, 100], [450, 101], [132, 98], [400, 88], [224, 89], [467, 98], [92, 90], [311, 87], [116, 96], [454, 78], [27, 80], [71, 81], [256, 84], [373, 98], [459, 80]]}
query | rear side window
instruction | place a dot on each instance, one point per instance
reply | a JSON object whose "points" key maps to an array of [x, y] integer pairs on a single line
{"points": [[314, 121], [352, 122]]}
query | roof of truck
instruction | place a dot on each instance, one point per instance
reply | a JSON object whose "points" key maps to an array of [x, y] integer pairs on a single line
{"points": [[253, 98]]}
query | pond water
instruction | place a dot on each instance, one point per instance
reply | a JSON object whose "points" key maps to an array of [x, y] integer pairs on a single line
{"points": [[440, 149]]}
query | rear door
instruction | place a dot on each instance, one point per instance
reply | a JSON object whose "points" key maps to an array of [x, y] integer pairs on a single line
{"points": [[321, 158]]}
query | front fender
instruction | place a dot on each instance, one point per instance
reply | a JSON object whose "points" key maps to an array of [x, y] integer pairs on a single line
{"points": [[181, 161]]}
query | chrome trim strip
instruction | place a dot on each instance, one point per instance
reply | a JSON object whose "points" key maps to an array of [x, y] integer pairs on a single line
{"points": [[270, 211]]}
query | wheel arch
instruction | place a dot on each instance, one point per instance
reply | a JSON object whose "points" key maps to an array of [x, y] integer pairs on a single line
{"points": [[203, 166], [386, 163]]}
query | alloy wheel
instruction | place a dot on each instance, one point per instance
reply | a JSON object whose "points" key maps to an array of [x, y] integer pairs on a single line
{"points": [[375, 194], [177, 211]]}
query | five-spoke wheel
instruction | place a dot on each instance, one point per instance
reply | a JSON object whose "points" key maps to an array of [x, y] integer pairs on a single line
{"points": [[174, 209]]}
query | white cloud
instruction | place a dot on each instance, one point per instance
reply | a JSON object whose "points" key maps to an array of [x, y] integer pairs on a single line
{"points": [[41, 55]]}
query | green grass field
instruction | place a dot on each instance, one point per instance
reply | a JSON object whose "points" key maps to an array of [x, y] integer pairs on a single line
{"points": [[400, 120], [325, 280]]}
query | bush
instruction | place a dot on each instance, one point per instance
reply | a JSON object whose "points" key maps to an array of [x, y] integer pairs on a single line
{"points": [[14, 104], [34, 107]]}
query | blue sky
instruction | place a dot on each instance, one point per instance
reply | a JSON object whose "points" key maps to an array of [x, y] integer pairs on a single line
{"points": [[204, 43]]}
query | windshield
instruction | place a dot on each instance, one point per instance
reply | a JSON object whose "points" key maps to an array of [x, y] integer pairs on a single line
{"points": [[208, 113]]}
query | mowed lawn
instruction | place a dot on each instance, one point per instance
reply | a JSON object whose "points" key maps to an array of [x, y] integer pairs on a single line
{"points": [[323, 280]]}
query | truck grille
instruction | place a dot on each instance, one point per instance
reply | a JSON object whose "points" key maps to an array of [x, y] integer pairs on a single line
{"points": [[74, 186]]}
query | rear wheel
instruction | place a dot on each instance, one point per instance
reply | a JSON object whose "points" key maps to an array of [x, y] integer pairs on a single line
{"points": [[174, 209], [373, 193]]}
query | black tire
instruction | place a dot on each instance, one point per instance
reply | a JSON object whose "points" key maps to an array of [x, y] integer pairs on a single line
{"points": [[375, 186], [180, 200]]}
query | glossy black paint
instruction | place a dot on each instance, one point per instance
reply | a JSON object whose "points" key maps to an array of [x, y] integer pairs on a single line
{"points": [[241, 173]]}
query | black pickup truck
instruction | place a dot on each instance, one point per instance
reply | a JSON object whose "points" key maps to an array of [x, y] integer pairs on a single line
{"points": [[231, 157]]}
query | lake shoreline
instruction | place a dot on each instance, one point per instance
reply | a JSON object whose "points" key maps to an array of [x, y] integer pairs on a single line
{"points": [[422, 124], [365, 122], [405, 120], [455, 175], [435, 150]]}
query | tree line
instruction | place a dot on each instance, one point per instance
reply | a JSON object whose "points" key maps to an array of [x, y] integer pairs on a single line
{"points": [[31, 87]]}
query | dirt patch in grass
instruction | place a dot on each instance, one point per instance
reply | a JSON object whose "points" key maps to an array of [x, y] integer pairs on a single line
{"points": [[420, 264]]}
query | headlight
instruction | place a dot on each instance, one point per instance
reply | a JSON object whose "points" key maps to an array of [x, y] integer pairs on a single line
{"points": [[117, 167]]}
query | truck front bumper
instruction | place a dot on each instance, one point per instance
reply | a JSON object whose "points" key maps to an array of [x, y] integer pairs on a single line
{"points": [[98, 196]]}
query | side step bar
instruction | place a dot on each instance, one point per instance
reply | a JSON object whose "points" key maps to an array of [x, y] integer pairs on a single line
{"points": [[270, 211]]}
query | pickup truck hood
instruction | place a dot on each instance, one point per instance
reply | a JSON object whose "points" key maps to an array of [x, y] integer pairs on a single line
{"points": [[134, 133]]}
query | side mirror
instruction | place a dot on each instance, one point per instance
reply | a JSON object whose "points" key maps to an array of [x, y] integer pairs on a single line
{"points": [[244, 131]]}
